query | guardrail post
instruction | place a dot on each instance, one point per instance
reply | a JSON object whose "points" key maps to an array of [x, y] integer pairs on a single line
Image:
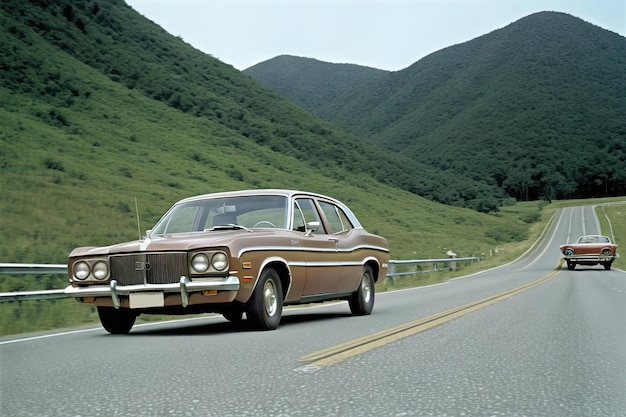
{"points": [[391, 269]]}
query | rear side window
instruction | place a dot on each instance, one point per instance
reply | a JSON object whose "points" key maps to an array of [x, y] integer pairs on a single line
{"points": [[336, 218]]}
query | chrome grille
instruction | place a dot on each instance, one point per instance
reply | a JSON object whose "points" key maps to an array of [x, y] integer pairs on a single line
{"points": [[150, 268]]}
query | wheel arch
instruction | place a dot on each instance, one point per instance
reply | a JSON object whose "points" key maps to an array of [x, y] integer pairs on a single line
{"points": [[373, 263], [284, 273]]}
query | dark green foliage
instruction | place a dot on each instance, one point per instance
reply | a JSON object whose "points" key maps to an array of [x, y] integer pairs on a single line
{"points": [[535, 110], [308, 82]]}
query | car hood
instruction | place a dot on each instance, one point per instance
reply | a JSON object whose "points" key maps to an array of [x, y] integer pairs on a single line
{"points": [[174, 242]]}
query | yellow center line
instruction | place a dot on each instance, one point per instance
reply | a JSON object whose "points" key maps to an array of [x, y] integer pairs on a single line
{"points": [[341, 352]]}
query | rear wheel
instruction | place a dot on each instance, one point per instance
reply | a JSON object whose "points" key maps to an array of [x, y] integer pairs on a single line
{"points": [[362, 301], [116, 321], [266, 305]]}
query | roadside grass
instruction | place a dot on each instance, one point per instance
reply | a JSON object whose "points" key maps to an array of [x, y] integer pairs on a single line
{"points": [[612, 217]]}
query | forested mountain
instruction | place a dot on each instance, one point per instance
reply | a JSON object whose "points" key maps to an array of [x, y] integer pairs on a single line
{"points": [[536, 109], [308, 82]]}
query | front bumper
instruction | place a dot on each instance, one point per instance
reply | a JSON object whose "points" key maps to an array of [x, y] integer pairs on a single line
{"points": [[589, 259], [184, 287]]}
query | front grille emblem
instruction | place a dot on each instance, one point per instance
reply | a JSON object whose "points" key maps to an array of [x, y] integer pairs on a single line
{"points": [[142, 266]]}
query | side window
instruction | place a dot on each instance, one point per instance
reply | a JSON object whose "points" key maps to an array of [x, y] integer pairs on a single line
{"points": [[336, 218], [309, 213]]}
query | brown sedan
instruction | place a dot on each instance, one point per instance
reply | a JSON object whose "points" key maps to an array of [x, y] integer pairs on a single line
{"points": [[245, 251]]}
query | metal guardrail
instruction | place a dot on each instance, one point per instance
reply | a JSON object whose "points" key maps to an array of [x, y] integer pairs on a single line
{"points": [[61, 269], [452, 261], [23, 269], [36, 269]]}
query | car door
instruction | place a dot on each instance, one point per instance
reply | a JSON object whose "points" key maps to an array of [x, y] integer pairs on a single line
{"points": [[348, 257], [319, 249]]}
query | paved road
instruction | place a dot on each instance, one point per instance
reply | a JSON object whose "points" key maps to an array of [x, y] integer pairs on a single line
{"points": [[556, 349]]}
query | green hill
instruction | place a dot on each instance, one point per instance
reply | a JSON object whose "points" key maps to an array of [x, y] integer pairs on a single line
{"points": [[308, 82], [99, 107], [535, 109]]}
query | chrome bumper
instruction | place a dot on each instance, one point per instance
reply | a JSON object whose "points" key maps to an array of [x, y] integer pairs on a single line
{"points": [[590, 258], [183, 287]]}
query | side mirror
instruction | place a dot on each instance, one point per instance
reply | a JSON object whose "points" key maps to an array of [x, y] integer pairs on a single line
{"points": [[312, 227]]}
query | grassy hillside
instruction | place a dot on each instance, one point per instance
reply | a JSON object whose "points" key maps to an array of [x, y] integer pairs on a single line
{"points": [[46, 40], [535, 109], [81, 137], [99, 107]]}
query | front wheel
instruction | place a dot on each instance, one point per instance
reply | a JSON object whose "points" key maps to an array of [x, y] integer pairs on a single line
{"points": [[116, 321], [607, 266], [571, 265], [362, 301], [266, 304]]}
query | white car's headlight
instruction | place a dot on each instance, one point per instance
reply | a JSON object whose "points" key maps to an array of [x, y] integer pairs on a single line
{"points": [[100, 270], [200, 263], [219, 261], [81, 270]]}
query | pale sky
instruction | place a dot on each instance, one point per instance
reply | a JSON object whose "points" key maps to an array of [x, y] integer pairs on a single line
{"points": [[383, 34]]}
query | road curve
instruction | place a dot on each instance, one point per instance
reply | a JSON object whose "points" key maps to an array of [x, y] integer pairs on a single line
{"points": [[553, 349]]}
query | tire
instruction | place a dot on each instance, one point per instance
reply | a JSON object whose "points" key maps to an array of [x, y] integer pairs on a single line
{"points": [[266, 304], [571, 266], [116, 321], [362, 301], [607, 266]]}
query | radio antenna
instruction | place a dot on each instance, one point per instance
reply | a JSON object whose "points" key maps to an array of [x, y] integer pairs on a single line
{"points": [[137, 211]]}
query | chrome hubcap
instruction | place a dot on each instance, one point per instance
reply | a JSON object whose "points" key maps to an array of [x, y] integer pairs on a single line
{"points": [[269, 298], [366, 289]]}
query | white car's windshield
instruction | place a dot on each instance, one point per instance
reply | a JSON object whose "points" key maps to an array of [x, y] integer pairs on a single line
{"points": [[267, 211]]}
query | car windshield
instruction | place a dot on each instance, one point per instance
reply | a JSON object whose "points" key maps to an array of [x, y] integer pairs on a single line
{"points": [[266, 211], [593, 239]]}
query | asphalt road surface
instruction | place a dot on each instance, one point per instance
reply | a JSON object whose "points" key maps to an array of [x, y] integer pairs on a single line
{"points": [[555, 347]]}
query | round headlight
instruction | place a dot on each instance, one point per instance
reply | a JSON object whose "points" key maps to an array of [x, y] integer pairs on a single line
{"points": [[81, 270], [606, 252], [219, 261], [100, 270], [200, 263]]}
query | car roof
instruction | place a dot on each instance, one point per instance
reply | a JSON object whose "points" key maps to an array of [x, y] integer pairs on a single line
{"points": [[268, 191]]}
